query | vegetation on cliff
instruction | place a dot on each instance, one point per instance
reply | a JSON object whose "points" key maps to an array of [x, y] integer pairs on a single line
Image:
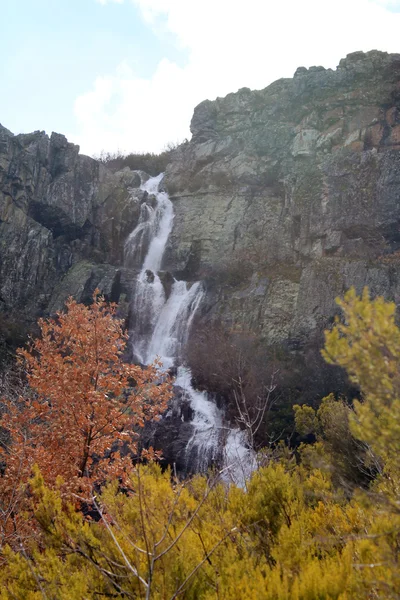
{"points": [[151, 163], [307, 525]]}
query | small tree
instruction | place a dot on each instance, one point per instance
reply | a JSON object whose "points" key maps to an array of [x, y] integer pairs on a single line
{"points": [[367, 345], [79, 423]]}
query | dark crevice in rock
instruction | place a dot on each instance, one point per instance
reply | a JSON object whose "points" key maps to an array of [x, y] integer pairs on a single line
{"points": [[54, 220]]}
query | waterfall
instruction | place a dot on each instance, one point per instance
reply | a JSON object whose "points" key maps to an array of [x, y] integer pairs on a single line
{"points": [[161, 327]]}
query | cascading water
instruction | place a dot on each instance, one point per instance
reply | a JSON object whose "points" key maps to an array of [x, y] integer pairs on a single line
{"points": [[161, 330], [162, 324]]}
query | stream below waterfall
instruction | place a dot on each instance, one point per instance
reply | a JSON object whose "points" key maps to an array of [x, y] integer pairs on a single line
{"points": [[161, 328]]}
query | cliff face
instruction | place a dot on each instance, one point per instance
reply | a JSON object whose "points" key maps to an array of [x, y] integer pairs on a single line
{"points": [[63, 222], [283, 199], [287, 196]]}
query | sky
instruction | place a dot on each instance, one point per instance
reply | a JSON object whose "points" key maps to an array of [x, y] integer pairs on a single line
{"points": [[125, 75]]}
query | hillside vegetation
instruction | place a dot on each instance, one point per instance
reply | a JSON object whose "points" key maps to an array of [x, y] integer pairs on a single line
{"points": [[319, 522], [150, 162]]}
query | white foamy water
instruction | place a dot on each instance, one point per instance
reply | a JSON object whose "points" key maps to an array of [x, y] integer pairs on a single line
{"points": [[161, 225], [238, 459], [161, 328], [204, 447], [172, 328]]}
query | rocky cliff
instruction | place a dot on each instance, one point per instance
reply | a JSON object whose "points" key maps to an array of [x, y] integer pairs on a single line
{"points": [[63, 222], [283, 199], [287, 196]]}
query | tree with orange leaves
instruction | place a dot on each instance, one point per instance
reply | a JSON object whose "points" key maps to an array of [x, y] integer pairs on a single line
{"points": [[79, 423]]}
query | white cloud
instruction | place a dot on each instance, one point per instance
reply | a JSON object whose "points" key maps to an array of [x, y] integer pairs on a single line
{"points": [[390, 4], [107, 1], [128, 113], [230, 44]]}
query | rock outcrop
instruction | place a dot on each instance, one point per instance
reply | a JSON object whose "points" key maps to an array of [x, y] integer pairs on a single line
{"points": [[286, 197], [63, 222]]}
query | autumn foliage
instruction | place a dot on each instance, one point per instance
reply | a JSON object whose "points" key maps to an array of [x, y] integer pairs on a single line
{"points": [[85, 405], [295, 531]]}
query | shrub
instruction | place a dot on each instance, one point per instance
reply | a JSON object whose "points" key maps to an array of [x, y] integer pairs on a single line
{"points": [[151, 163]]}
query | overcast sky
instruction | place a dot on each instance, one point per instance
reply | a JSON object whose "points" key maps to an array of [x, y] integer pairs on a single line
{"points": [[126, 74]]}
